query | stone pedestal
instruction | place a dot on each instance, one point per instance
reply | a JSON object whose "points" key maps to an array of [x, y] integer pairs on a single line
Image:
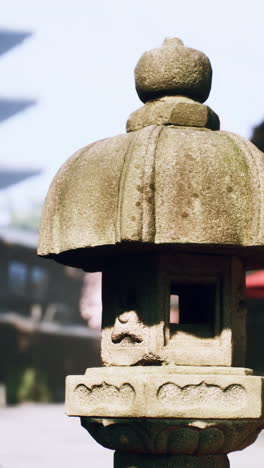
{"points": [[164, 416], [132, 460]]}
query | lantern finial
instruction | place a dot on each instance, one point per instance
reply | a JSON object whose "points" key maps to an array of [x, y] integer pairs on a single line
{"points": [[173, 70], [172, 42]]}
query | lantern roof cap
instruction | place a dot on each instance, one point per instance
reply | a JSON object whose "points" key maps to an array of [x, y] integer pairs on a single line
{"points": [[173, 81], [173, 70], [173, 181]]}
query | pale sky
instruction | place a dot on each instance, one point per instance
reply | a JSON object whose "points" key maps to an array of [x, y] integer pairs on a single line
{"points": [[79, 65]]}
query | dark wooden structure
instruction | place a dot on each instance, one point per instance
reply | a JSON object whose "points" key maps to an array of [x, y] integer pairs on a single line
{"points": [[40, 323]]}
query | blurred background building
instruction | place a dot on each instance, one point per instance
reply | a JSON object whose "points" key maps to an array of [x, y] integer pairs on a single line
{"points": [[42, 334]]}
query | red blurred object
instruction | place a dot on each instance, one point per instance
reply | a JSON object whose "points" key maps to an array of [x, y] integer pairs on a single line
{"points": [[255, 285]]}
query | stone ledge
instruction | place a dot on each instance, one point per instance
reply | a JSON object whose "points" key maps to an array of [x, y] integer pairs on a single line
{"points": [[173, 110], [159, 392]]}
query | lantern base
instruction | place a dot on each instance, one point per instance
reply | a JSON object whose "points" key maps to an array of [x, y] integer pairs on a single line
{"points": [[132, 460], [173, 437]]}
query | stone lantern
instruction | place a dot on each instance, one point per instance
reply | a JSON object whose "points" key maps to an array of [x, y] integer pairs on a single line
{"points": [[172, 212]]}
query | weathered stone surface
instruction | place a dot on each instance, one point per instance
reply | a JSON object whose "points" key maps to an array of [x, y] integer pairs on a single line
{"points": [[169, 181], [130, 460], [70, 206], [173, 70], [161, 185], [173, 110], [132, 324], [136, 326], [159, 392], [173, 437]]}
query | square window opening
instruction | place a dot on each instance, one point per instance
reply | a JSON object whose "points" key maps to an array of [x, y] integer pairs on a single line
{"points": [[192, 303]]}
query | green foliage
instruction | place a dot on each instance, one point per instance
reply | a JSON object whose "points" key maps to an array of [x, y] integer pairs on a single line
{"points": [[27, 385]]}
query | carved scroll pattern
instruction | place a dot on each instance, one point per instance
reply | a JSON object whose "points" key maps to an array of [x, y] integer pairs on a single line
{"points": [[202, 395], [105, 394]]}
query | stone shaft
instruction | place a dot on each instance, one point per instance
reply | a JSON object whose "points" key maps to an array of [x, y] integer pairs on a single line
{"points": [[132, 460]]}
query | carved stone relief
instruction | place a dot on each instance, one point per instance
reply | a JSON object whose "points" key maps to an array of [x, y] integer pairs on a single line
{"points": [[109, 394], [128, 329], [156, 392], [173, 437], [202, 394]]}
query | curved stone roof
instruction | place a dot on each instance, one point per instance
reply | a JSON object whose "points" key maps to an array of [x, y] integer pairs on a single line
{"points": [[179, 181], [161, 184]]}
